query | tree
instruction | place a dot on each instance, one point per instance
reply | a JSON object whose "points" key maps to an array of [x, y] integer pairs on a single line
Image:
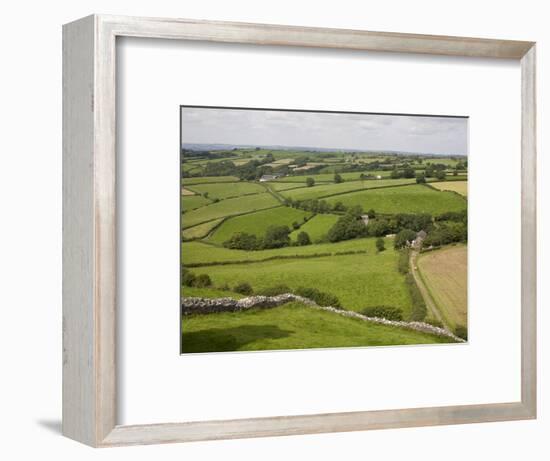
{"points": [[295, 225], [276, 237], [380, 244], [205, 195], [338, 179], [403, 238], [440, 174], [395, 173], [310, 182], [421, 178], [408, 173], [242, 241], [202, 280], [371, 214], [303, 239], [339, 206]]}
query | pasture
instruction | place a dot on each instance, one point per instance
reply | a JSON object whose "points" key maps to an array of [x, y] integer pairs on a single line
{"points": [[445, 273], [208, 179], [358, 280], [324, 190], [229, 207], [460, 187], [191, 202], [317, 227], [258, 222], [283, 328], [227, 190], [201, 230], [404, 199]]}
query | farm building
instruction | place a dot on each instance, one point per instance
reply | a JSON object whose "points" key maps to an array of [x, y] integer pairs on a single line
{"points": [[269, 177]]}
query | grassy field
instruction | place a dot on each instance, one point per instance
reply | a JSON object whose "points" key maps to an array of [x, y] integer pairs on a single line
{"points": [[329, 177], [208, 179], [445, 273], [283, 328], [460, 187], [279, 186], [191, 202], [405, 199], [257, 223], [199, 252], [329, 189], [226, 190], [359, 280], [229, 207], [201, 230], [316, 227]]}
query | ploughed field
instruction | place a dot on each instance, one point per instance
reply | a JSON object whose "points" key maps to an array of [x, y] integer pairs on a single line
{"points": [[355, 272]]}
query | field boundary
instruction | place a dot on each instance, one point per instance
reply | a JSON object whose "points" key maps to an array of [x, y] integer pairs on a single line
{"points": [[202, 306]]}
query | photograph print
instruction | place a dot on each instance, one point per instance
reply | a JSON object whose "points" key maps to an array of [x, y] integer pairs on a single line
{"points": [[317, 229]]}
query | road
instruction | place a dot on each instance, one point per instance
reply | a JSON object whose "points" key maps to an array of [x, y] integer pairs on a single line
{"points": [[430, 303]]}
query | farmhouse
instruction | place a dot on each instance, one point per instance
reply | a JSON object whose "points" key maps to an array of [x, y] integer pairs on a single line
{"points": [[269, 177], [420, 236]]}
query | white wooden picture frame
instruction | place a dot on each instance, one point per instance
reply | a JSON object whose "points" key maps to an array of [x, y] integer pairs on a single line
{"points": [[89, 230]]}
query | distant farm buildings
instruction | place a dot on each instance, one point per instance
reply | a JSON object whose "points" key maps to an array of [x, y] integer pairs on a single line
{"points": [[270, 177]]}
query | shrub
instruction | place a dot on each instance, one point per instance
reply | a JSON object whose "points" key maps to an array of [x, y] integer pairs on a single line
{"points": [[187, 278], [403, 261], [244, 288], [380, 246], [274, 290], [421, 178], [202, 280], [295, 225], [224, 287], [419, 310], [338, 179], [303, 239], [462, 332], [276, 237], [242, 241], [435, 322], [386, 312], [319, 297], [310, 182]]}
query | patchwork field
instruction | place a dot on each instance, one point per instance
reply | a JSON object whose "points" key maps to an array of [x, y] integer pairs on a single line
{"points": [[201, 230], [324, 190], [229, 207], [191, 202], [283, 328], [317, 227], [445, 274], [258, 222], [227, 190], [460, 187], [405, 199], [359, 280], [208, 179]]}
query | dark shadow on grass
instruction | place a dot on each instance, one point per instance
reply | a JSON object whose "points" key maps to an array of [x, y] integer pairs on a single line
{"points": [[229, 339]]}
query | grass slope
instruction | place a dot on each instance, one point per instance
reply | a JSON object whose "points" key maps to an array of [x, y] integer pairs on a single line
{"points": [[329, 189], [226, 190], [257, 223], [406, 199], [292, 326], [460, 187], [201, 230], [192, 202], [199, 252], [316, 227], [359, 280], [445, 273], [229, 207]]}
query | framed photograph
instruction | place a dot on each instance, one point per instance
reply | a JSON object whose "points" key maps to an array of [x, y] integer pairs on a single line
{"points": [[306, 214]]}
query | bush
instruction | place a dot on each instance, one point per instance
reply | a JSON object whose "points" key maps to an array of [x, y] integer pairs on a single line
{"points": [[310, 182], [338, 179], [403, 261], [303, 239], [319, 297], [187, 278], [435, 323], [244, 288], [419, 310], [274, 290], [386, 312], [242, 241], [380, 246], [462, 332], [295, 225], [202, 281]]}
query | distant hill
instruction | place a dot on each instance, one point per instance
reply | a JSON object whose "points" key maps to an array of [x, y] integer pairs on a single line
{"points": [[214, 146]]}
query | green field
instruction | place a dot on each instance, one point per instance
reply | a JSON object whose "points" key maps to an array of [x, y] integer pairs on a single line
{"points": [[329, 177], [317, 227], [283, 328], [323, 190], [208, 179], [191, 202], [404, 199], [227, 190], [229, 207], [258, 222], [201, 230], [278, 186], [198, 252], [358, 280]]}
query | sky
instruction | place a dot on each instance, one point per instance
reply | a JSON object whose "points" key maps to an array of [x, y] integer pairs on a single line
{"points": [[407, 133]]}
